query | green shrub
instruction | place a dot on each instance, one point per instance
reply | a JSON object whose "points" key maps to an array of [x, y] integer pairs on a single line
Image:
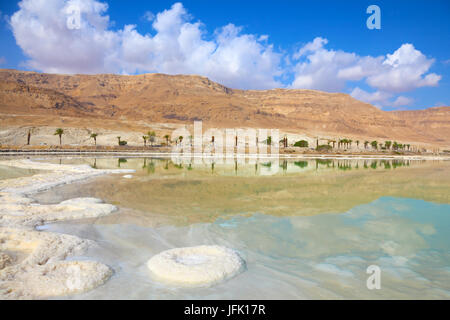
{"points": [[122, 143], [324, 147], [301, 144]]}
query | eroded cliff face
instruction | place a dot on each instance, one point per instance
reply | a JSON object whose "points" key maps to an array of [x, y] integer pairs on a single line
{"points": [[157, 98]]}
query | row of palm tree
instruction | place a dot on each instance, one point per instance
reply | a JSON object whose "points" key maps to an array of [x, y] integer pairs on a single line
{"points": [[151, 137], [347, 143]]}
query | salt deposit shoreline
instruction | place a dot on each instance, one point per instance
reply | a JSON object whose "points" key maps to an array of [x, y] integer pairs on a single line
{"points": [[140, 154], [32, 263]]}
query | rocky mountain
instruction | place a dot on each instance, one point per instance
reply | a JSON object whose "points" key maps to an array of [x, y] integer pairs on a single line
{"points": [[102, 100]]}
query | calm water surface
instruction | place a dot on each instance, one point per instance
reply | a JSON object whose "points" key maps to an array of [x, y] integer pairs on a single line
{"points": [[306, 228]]}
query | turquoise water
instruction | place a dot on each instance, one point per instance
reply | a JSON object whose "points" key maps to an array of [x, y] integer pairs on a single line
{"points": [[306, 233]]}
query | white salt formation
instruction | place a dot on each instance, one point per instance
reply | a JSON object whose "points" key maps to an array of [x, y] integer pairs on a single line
{"points": [[15, 211], [34, 266], [32, 263], [196, 266]]}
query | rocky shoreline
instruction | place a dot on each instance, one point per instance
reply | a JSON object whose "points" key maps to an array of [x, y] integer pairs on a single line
{"points": [[33, 263]]}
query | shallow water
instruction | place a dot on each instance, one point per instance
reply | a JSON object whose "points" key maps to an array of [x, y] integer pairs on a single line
{"points": [[12, 173], [306, 228]]}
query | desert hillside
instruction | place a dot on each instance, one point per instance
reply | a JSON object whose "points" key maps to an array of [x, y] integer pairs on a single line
{"points": [[136, 103]]}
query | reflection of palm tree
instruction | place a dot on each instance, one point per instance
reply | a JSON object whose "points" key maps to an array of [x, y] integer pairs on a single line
{"points": [[121, 160], [373, 165], [151, 167], [284, 165], [95, 163], [145, 163]]}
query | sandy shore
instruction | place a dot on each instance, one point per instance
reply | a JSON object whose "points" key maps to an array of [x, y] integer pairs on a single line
{"points": [[32, 263]]}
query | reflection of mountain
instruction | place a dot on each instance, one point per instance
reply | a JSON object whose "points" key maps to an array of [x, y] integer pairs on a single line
{"points": [[131, 103], [200, 194]]}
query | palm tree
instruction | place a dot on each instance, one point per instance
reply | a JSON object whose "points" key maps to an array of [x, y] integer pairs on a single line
{"points": [[94, 136], [118, 139], [145, 140], [366, 143], [180, 138], [395, 145], [151, 136], [357, 144], [374, 144], [388, 144], [29, 137], [167, 139], [350, 143], [59, 132]]}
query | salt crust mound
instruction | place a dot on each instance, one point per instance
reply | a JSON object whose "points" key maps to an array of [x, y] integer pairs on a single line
{"points": [[58, 175], [16, 211], [38, 270], [32, 263], [196, 266]]}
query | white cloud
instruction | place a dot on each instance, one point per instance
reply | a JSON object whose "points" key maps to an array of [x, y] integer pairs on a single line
{"points": [[149, 16], [313, 46], [180, 45], [380, 99], [40, 29], [402, 101], [404, 70], [377, 98]]}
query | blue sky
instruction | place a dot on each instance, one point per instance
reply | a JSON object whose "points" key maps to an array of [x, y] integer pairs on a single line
{"points": [[321, 45]]}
